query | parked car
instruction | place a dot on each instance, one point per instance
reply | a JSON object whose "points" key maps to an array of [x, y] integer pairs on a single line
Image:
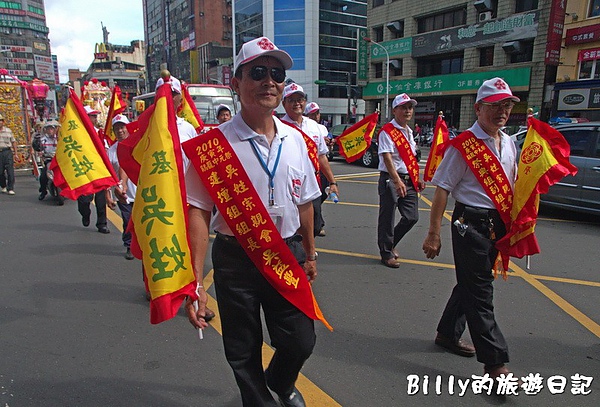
{"points": [[370, 158], [580, 193]]}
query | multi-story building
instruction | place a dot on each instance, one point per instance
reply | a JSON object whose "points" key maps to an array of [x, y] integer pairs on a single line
{"points": [[321, 36], [441, 52], [24, 45], [176, 29], [119, 64], [577, 91]]}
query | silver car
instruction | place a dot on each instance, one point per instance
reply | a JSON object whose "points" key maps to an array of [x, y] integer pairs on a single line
{"points": [[581, 192]]}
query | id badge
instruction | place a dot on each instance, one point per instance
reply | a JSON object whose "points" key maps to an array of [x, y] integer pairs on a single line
{"points": [[276, 214]]}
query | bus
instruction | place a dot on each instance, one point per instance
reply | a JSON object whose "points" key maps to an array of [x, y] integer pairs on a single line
{"points": [[206, 98]]}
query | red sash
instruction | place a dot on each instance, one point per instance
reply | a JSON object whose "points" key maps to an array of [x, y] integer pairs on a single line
{"points": [[489, 172], [232, 191], [405, 152], [311, 146]]}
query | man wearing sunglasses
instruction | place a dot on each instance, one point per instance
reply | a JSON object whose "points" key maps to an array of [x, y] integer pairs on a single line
{"points": [[479, 168], [294, 103], [275, 159]]}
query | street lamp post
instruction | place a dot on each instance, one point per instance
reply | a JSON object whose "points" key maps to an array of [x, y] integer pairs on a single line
{"points": [[387, 73]]}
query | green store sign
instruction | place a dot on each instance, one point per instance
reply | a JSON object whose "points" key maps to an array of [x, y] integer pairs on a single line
{"points": [[451, 84]]}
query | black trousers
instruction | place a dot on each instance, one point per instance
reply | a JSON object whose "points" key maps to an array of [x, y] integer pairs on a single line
{"points": [[389, 235], [7, 170], [83, 206], [472, 298], [241, 292]]}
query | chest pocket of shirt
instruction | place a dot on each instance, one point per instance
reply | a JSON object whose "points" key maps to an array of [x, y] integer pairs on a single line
{"points": [[295, 180]]}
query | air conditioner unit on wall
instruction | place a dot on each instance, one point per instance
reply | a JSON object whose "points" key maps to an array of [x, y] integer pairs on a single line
{"points": [[485, 16]]}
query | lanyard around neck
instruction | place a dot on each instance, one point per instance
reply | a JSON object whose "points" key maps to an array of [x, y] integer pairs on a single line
{"points": [[270, 174]]}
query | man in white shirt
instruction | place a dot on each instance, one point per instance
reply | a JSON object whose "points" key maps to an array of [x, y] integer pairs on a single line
{"points": [[294, 102]]}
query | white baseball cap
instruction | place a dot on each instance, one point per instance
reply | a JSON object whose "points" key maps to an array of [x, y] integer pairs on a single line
{"points": [[260, 47], [173, 81], [312, 107], [291, 89], [402, 99], [120, 119], [221, 107], [494, 90], [89, 110]]}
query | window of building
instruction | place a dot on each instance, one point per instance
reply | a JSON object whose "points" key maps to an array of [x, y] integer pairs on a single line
{"points": [[525, 53], [378, 68], [440, 65], [486, 56], [396, 67], [447, 19], [526, 5], [377, 3], [378, 34], [589, 70], [594, 8]]}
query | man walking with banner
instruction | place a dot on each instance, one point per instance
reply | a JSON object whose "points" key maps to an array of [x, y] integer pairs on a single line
{"points": [[262, 184], [294, 102], [399, 182], [479, 169]]}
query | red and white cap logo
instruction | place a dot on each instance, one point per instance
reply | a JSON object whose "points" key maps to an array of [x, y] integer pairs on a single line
{"points": [[402, 99], [495, 90], [261, 47], [291, 89]]}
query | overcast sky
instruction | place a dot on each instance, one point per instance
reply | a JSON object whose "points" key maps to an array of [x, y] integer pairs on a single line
{"points": [[75, 28]]}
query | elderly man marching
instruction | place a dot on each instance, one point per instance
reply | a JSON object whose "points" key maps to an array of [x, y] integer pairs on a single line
{"points": [[479, 170], [399, 182], [263, 199], [294, 102]]}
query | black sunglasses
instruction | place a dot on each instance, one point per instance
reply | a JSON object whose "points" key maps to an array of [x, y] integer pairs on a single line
{"points": [[260, 72]]}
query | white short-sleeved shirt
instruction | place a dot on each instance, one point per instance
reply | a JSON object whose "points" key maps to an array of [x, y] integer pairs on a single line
{"points": [[311, 129], [186, 132], [386, 145], [49, 145], [455, 176], [294, 182], [114, 161]]}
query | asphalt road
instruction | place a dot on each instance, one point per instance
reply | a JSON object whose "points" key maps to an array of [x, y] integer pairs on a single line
{"points": [[75, 330]]}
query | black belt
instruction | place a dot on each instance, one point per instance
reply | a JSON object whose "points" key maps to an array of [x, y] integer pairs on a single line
{"points": [[403, 177], [476, 214], [233, 241]]}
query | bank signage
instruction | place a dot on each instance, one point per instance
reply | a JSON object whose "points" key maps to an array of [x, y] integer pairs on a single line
{"points": [[452, 84]]}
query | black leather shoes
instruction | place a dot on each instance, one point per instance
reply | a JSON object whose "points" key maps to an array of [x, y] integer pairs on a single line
{"points": [[42, 195], [128, 254], [460, 347], [103, 229], [85, 221], [294, 399]]}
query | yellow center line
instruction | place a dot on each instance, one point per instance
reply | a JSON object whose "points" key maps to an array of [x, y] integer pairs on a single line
{"points": [[563, 304], [313, 394]]}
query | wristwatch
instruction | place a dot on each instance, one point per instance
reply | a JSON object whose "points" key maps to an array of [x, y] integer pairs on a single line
{"points": [[313, 257]]}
